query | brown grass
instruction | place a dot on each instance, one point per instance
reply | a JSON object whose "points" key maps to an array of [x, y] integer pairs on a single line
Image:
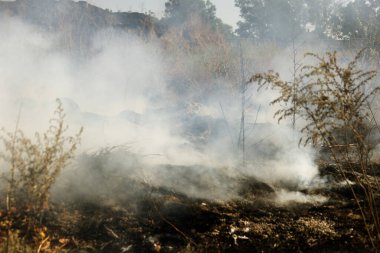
{"points": [[334, 102], [32, 166]]}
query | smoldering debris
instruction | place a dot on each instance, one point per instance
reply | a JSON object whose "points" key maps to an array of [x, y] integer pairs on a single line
{"points": [[116, 175], [284, 197]]}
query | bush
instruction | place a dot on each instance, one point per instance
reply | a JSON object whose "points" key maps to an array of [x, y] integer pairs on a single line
{"points": [[34, 164], [334, 102]]}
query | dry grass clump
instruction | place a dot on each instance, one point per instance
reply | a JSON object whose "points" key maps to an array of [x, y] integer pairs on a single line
{"points": [[333, 100], [14, 243], [31, 168], [316, 228], [317, 225], [199, 55], [329, 97], [34, 164]]}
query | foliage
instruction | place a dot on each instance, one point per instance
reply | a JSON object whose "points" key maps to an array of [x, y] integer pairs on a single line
{"points": [[283, 21], [180, 12], [271, 19], [13, 241], [199, 57], [197, 43], [357, 20], [328, 96], [34, 165], [334, 102]]}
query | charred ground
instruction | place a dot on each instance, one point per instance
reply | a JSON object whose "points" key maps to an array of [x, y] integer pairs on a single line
{"points": [[161, 220]]}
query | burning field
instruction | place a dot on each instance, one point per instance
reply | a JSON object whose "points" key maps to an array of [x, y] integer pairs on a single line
{"points": [[127, 215], [110, 201], [173, 134]]}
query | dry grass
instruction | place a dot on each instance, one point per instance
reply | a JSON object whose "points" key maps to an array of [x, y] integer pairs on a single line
{"points": [[12, 242], [334, 100], [32, 166]]}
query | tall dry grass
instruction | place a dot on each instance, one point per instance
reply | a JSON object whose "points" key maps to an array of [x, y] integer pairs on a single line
{"points": [[333, 100], [31, 167]]}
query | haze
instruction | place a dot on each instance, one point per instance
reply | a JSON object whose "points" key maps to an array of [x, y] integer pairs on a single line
{"points": [[225, 9]]}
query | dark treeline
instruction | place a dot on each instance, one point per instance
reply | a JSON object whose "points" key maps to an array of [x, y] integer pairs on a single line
{"points": [[261, 20]]}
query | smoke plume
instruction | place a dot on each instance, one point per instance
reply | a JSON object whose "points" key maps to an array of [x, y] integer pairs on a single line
{"points": [[121, 95]]}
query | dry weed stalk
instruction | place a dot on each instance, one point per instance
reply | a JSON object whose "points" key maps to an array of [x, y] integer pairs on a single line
{"points": [[34, 164], [333, 101]]}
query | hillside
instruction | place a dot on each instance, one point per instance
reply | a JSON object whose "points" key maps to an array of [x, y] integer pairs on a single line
{"points": [[77, 22]]}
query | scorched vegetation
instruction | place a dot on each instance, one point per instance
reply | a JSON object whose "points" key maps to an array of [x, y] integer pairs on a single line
{"points": [[191, 142]]}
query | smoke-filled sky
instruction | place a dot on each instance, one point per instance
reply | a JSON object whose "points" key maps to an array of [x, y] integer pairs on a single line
{"points": [[225, 9]]}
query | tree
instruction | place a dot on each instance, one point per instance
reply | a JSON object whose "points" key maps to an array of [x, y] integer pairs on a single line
{"points": [[271, 19], [356, 20], [279, 20], [180, 12], [320, 13]]}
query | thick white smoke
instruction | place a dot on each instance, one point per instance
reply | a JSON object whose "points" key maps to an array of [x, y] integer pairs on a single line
{"points": [[121, 97]]}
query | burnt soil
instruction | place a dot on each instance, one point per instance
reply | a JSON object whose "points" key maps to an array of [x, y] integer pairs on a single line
{"points": [[161, 220]]}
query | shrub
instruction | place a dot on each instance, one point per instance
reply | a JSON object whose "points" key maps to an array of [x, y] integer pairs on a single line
{"points": [[334, 102], [34, 164]]}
